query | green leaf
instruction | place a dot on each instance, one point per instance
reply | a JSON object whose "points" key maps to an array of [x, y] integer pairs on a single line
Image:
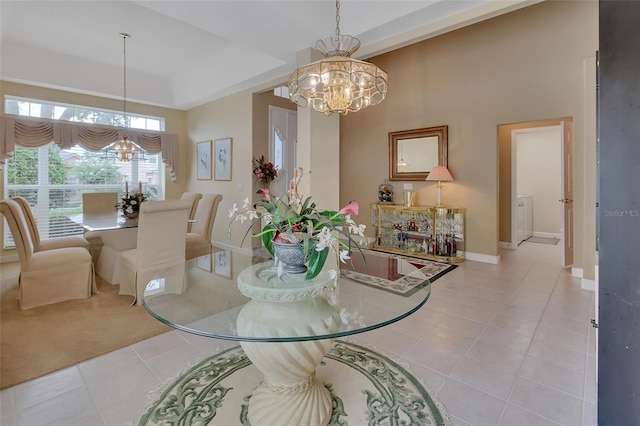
{"points": [[267, 239], [316, 263]]}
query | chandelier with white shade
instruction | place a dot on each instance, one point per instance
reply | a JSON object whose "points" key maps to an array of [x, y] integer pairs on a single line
{"points": [[338, 83]]}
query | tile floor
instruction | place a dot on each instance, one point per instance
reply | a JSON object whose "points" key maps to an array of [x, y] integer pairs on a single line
{"points": [[507, 344]]}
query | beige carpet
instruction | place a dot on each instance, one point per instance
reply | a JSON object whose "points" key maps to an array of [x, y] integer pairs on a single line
{"points": [[39, 341]]}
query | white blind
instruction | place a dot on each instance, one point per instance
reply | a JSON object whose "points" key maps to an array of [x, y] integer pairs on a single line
{"points": [[53, 181]]}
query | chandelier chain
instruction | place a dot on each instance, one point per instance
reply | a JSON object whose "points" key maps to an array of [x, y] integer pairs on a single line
{"points": [[124, 36], [337, 20]]}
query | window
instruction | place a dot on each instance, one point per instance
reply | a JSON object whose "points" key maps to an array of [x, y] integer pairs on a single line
{"points": [[53, 179], [79, 114]]}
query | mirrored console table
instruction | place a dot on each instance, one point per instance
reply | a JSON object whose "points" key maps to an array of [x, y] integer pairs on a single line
{"points": [[435, 233]]}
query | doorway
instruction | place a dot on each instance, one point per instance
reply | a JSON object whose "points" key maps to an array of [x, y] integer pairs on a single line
{"points": [[536, 183]]}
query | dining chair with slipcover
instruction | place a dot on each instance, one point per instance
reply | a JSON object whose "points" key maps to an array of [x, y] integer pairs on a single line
{"points": [[199, 238], [194, 197], [52, 243], [97, 202], [47, 276], [162, 234], [106, 245]]}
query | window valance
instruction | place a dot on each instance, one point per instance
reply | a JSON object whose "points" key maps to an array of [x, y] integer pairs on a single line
{"points": [[33, 133]]}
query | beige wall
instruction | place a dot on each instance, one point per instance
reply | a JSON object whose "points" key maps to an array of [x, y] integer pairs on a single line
{"points": [[227, 117], [523, 66], [174, 123], [245, 118]]}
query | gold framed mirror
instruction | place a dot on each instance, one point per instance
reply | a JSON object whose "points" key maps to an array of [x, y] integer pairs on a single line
{"points": [[413, 153]]}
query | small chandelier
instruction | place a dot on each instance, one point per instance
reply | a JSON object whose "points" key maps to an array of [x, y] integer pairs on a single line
{"points": [[337, 83], [124, 149]]}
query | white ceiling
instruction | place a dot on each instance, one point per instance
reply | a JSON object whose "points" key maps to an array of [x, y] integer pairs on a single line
{"points": [[182, 54]]}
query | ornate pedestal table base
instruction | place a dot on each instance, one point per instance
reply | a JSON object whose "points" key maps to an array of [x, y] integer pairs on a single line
{"points": [[290, 308]]}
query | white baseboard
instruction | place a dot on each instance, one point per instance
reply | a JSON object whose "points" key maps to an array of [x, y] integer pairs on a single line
{"points": [[547, 235], [577, 272], [484, 258], [9, 259], [505, 245], [588, 284]]}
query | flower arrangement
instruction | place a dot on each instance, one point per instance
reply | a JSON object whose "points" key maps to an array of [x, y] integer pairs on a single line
{"points": [[265, 172], [130, 203], [293, 219]]}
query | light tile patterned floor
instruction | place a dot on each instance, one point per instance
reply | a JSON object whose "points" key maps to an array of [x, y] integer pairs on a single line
{"points": [[507, 344]]}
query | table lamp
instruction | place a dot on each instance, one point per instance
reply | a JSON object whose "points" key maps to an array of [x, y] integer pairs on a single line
{"points": [[441, 174]]}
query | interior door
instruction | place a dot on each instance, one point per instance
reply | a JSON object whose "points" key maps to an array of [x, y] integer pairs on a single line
{"points": [[283, 135], [567, 190]]}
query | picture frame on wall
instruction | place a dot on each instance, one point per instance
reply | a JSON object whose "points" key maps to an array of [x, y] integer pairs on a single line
{"points": [[203, 153], [222, 159], [204, 262], [222, 263]]}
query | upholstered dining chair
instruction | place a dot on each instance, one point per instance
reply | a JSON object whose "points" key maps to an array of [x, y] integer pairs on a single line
{"points": [[199, 238], [194, 197], [162, 234], [47, 276], [53, 243], [97, 202]]}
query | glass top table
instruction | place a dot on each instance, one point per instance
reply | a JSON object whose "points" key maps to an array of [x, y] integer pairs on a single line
{"points": [[286, 324], [210, 300], [104, 221]]}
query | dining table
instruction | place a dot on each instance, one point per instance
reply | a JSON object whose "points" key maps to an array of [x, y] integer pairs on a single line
{"points": [[285, 323], [107, 221], [118, 233]]}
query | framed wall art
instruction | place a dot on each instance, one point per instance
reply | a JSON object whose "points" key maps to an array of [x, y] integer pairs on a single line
{"points": [[203, 153], [222, 159], [204, 262], [222, 263]]}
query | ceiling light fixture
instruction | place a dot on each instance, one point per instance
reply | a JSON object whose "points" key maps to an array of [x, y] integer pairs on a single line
{"points": [[125, 149], [337, 83]]}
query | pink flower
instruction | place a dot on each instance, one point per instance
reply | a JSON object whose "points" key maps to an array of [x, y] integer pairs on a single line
{"points": [[351, 208], [264, 192]]}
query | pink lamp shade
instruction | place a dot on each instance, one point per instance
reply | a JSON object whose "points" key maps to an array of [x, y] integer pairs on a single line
{"points": [[440, 173]]}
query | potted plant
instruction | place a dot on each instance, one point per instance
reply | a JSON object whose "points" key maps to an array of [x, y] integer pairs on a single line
{"points": [[295, 224], [130, 204]]}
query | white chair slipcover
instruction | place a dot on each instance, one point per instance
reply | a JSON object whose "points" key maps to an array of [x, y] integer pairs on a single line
{"points": [[47, 276], [199, 238], [97, 202], [162, 232], [53, 243]]}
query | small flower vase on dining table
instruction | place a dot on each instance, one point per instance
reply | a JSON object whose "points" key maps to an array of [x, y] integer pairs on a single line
{"points": [[132, 215]]}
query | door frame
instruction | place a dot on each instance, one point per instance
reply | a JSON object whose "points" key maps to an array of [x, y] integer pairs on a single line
{"points": [[514, 178], [290, 140]]}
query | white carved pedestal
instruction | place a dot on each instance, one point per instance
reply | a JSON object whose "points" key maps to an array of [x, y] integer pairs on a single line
{"points": [[289, 307]]}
